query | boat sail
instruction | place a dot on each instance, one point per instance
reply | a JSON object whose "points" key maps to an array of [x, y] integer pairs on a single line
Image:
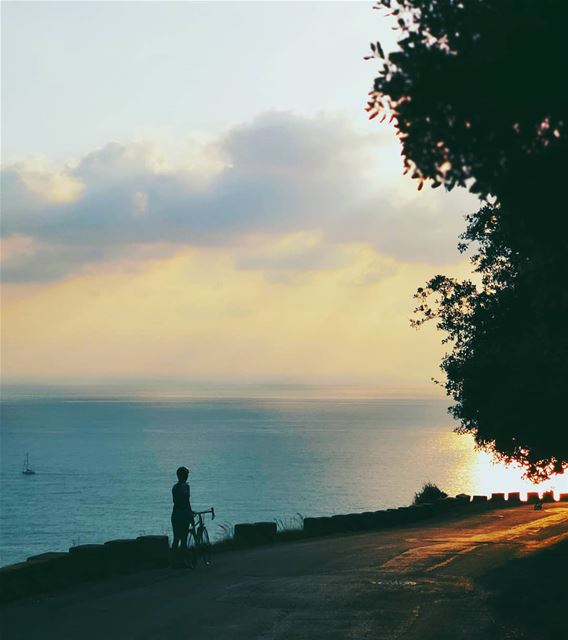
{"points": [[26, 470]]}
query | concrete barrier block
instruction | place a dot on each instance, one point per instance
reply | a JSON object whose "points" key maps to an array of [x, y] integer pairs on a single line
{"points": [[367, 520], [326, 524], [313, 526], [479, 500], [17, 581], [400, 515], [357, 521], [382, 519], [514, 498], [318, 526], [54, 570], [89, 561], [244, 532], [339, 523], [563, 497], [153, 551], [548, 496], [122, 556], [497, 500], [255, 533], [463, 499], [533, 496], [266, 530], [405, 514], [395, 517], [445, 505], [425, 510]]}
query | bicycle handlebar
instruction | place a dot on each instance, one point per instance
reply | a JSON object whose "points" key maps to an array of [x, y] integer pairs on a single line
{"points": [[211, 511]]}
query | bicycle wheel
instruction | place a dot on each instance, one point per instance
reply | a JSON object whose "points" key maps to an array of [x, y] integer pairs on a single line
{"points": [[205, 547], [191, 550]]}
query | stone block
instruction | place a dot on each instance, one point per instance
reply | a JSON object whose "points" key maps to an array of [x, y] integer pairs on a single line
{"points": [[154, 551], [122, 556], [425, 510], [367, 521], [340, 523], [54, 570], [255, 533], [497, 500], [266, 530], [89, 561], [17, 581], [314, 526]]}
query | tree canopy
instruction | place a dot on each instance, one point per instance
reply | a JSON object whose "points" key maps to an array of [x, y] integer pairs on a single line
{"points": [[478, 94]]}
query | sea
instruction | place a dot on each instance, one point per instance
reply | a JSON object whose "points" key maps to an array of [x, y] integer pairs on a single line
{"points": [[105, 464]]}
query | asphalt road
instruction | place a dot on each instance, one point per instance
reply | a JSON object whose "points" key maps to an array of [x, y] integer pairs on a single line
{"points": [[413, 582]]}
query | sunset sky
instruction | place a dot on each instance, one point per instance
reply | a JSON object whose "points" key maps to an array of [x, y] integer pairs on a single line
{"points": [[193, 191]]}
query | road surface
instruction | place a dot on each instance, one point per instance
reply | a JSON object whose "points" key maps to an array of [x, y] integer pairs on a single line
{"points": [[414, 582]]}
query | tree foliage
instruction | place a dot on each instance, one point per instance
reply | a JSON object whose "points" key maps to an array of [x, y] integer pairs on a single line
{"points": [[478, 94]]}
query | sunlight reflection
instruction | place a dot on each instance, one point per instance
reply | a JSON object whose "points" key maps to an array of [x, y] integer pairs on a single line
{"points": [[488, 477]]}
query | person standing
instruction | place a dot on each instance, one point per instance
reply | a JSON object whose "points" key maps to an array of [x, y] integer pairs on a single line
{"points": [[182, 516]]}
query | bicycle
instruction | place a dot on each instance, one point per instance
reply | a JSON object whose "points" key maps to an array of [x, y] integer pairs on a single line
{"points": [[198, 544]]}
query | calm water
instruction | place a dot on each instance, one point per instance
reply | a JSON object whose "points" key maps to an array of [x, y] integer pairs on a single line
{"points": [[105, 468]]}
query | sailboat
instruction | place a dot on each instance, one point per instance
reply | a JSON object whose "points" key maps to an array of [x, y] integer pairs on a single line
{"points": [[26, 470]]}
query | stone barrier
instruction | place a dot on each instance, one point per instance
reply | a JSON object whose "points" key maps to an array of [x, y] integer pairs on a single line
{"points": [[384, 518], [154, 551], [255, 533], [326, 524], [122, 556], [340, 523], [406, 514], [367, 521], [455, 502], [89, 561], [563, 497], [55, 570], [16, 581], [318, 526], [548, 496], [267, 530], [497, 500], [49, 571], [315, 526], [425, 510]]}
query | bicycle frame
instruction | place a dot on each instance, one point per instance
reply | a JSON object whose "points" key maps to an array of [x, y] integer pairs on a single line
{"points": [[201, 547]]}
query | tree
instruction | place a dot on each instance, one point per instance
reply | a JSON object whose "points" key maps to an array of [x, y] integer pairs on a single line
{"points": [[478, 95]]}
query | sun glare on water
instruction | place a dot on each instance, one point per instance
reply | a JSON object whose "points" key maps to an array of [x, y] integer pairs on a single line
{"points": [[488, 477]]}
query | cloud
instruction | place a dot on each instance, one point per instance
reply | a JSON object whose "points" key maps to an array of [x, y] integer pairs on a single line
{"points": [[280, 175], [299, 252]]}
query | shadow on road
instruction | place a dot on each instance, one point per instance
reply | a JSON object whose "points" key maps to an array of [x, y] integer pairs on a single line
{"points": [[529, 594]]}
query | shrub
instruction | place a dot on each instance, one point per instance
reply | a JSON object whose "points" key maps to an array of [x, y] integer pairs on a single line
{"points": [[429, 493]]}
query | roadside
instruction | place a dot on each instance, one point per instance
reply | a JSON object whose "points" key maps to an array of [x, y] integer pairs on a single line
{"points": [[445, 579]]}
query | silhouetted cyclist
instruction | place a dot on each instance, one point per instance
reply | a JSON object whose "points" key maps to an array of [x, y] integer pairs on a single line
{"points": [[182, 517]]}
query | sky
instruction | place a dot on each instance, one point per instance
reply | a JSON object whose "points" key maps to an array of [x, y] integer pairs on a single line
{"points": [[193, 191]]}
